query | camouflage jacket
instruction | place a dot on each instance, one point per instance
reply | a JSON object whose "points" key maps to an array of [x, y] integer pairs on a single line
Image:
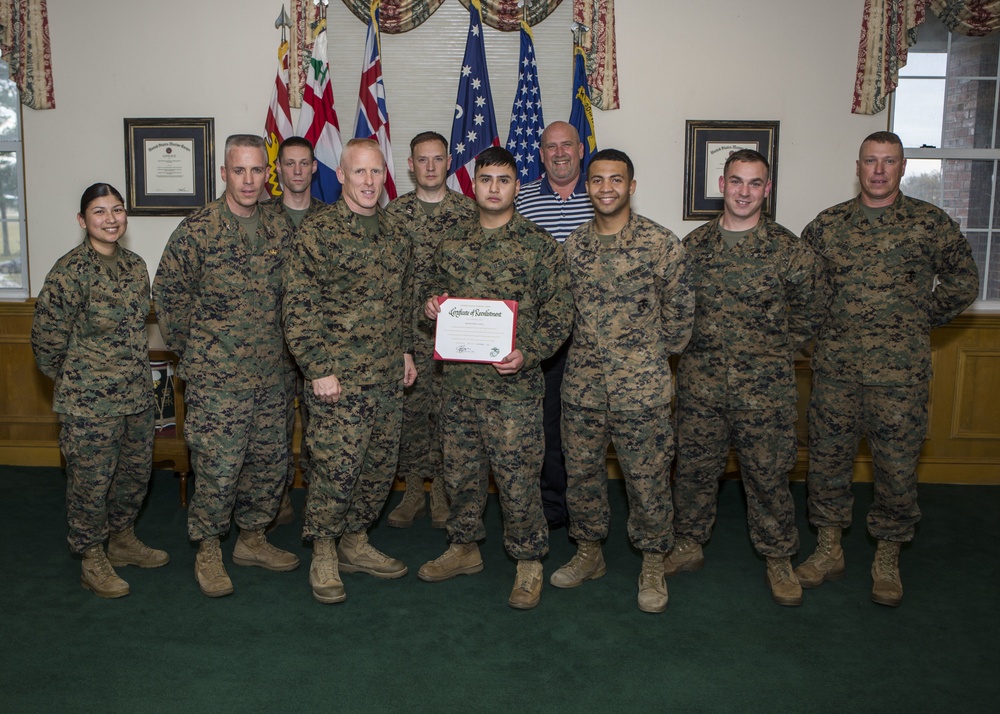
{"points": [[757, 303], [89, 334], [217, 297], [347, 306], [633, 309], [277, 208], [519, 262], [427, 232], [880, 285]]}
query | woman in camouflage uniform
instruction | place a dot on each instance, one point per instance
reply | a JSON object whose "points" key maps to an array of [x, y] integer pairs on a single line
{"points": [[89, 336]]}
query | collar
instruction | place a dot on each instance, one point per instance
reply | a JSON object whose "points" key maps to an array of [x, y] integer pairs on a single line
{"points": [[546, 188]]}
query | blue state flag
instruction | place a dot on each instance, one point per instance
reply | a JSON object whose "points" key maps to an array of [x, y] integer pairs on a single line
{"points": [[582, 116]]}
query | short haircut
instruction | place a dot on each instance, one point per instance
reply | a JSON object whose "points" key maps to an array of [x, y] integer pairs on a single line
{"points": [[428, 136], [747, 156], [884, 137], [495, 156], [95, 191], [613, 155], [292, 142], [361, 143], [246, 141]]}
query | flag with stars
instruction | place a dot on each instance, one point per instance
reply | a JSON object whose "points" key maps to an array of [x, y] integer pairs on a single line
{"points": [[373, 115], [475, 125], [278, 124], [582, 115], [526, 123]]}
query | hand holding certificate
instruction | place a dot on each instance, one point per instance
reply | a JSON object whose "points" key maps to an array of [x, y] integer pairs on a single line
{"points": [[474, 330]]}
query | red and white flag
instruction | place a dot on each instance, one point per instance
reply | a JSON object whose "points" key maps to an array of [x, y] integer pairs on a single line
{"points": [[318, 123], [278, 125]]}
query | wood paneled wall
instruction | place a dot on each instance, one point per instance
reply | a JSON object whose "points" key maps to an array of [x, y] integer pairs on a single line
{"points": [[962, 446]]}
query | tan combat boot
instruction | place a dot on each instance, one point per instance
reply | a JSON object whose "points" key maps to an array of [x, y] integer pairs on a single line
{"points": [[587, 564], [253, 549], [686, 557], [652, 584], [527, 590], [209, 570], [97, 575], [887, 588], [413, 505], [124, 548], [357, 555], [785, 587], [459, 559], [827, 563], [324, 577], [439, 503]]}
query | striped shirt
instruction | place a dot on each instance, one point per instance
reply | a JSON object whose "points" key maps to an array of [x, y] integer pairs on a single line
{"points": [[538, 202]]}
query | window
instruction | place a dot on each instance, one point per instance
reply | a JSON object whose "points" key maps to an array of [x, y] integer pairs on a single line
{"points": [[13, 256], [945, 111]]}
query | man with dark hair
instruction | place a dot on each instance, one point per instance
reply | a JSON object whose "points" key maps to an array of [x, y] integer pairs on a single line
{"points": [[633, 309], [429, 210], [895, 267], [558, 202], [295, 167], [757, 304], [491, 413], [217, 295], [347, 317]]}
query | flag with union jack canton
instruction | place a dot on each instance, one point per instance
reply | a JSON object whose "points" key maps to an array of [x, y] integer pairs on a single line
{"points": [[475, 125], [278, 124], [318, 123], [526, 122], [373, 115]]}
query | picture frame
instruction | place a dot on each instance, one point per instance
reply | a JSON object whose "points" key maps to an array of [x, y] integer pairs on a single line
{"points": [[707, 145], [169, 165]]}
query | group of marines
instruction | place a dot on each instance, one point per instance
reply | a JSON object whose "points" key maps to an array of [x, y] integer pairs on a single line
{"points": [[341, 299]]}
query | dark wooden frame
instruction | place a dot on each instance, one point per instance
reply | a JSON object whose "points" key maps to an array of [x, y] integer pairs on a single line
{"points": [[201, 132], [698, 134]]}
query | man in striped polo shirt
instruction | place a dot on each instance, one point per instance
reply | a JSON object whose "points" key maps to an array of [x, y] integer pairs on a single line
{"points": [[557, 202]]}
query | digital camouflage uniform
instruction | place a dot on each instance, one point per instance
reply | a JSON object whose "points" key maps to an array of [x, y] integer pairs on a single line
{"points": [[489, 420], [347, 313], [633, 309], [888, 284], [293, 378], [89, 336], [419, 444], [756, 305], [217, 295]]}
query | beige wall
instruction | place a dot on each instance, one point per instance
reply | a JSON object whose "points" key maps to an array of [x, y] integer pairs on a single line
{"points": [[788, 60]]}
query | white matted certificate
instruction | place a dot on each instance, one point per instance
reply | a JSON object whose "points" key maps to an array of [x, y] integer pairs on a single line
{"points": [[475, 330]]}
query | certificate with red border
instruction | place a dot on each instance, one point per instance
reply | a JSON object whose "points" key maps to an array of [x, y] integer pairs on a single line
{"points": [[475, 330]]}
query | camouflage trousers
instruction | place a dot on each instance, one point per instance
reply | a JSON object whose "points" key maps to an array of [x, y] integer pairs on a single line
{"points": [[296, 403], [480, 434], [353, 446], [239, 452], [644, 442], [894, 422], [420, 441], [764, 440], [109, 460]]}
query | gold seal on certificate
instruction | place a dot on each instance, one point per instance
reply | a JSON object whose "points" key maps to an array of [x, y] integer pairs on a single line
{"points": [[474, 330]]}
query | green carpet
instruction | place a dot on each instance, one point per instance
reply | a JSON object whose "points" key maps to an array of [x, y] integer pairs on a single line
{"points": [[406, 645]]}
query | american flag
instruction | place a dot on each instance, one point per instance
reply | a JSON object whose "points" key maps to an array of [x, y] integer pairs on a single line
{"points": [[373, 117], [526, 122], [318, 123], [475, 125], [278, 124]]}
